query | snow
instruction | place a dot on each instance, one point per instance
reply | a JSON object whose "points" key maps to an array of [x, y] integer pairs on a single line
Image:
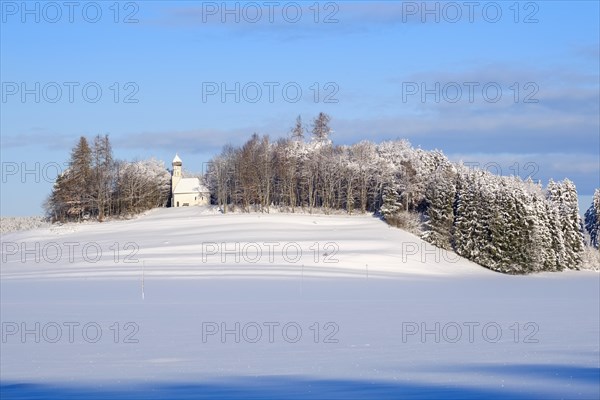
{"points": [[385, 283], [13, 224], [190, 185]]}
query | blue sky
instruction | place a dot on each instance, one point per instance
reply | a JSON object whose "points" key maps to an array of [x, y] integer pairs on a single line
{"points": [[382, 71]]}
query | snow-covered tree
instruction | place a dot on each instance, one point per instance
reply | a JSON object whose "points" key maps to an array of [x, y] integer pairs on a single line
{"points": [[102, 176], [141, 185], [592, 220], [391, 200], [71, 197], [564, 195], [505, 251], [321, 129], [297, 132], [440, 194], [94, 185], [471, 229], [555, 259]]}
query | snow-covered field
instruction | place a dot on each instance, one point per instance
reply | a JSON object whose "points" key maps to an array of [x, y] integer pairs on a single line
{"points": [[189, 303]]}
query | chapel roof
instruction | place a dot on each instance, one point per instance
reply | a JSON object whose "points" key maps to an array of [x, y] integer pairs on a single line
{"points": [[190, 185]]}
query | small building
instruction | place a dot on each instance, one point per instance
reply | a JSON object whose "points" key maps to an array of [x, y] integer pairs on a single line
{"points": [[186, 191]]}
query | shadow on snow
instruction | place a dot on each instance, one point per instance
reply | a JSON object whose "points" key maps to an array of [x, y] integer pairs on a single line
{"points": [[306, 388]]}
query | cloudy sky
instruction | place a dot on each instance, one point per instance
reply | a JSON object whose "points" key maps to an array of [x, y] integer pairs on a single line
{"points": [[511, 86]]}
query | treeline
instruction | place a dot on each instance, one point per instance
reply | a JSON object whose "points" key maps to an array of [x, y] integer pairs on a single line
{"points": [[503, 223], [96, 186], [293, 173]]}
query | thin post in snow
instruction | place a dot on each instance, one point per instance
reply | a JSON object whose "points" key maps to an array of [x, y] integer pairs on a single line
{"points": [[143, 273]]}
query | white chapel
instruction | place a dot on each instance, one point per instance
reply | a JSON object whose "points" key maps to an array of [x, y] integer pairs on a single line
{"points": [[186, 191]]}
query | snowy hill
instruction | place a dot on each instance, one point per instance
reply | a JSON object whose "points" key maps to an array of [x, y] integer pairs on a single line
{"points": [[190, 303], [198, 241]]}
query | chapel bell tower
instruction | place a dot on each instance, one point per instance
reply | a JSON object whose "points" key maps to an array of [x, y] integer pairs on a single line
{"points": [[176, 173]]}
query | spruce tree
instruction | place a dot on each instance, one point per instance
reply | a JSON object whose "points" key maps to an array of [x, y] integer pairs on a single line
{"points": [[80, 171], [102, 176], [501, 247], [592, 220], [297, 132], [321, 129], [559, 250], [439, 197], [564, 195], [543, 256], [391, 201], [70, 195], [467, 221]]}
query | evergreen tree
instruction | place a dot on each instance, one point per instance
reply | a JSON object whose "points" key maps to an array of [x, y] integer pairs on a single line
{"points": [[467, 214], [102, 177], [556, 257], [70, 195], [391, 200], [297, 131], [80, 168], [503, 228], [321, 129], [506, 247], [542, 254], [526, 254], [564, 195], [592, 220], [439, 197]]}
